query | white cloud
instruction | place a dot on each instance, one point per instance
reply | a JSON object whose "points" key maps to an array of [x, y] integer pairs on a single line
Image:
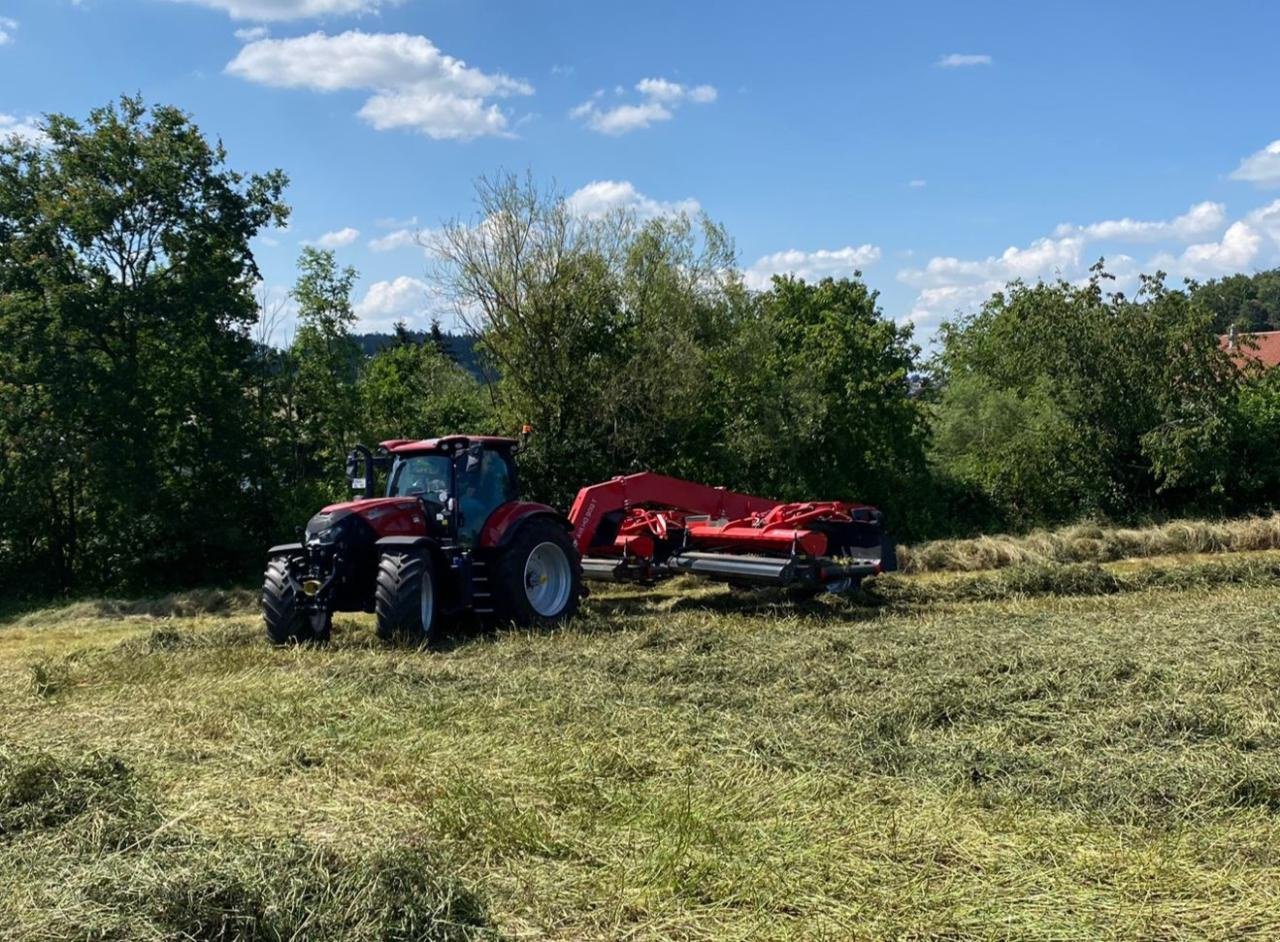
{"points": [[7, 29], [390, 222], [660, 99], [338, 238], [1266, 219], [278, 10], [27, 129], [1201, 219], [960, 60], [1236, 250], [252, 34], [386, 302], [1261, 167], [811, 266], [947, 284], [415, 85], [399, 239], [601, 197], [1043, 257], [917, 184]]}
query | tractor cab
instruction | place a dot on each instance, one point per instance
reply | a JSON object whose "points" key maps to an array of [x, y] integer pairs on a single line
{"points": [[461, 480]]}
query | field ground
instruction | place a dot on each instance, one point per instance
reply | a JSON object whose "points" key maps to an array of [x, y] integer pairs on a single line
{"points": [[1093, 759]]}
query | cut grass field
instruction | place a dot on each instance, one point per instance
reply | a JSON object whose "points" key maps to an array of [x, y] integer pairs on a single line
{"points": [[1094, 543], [1056, 753]]}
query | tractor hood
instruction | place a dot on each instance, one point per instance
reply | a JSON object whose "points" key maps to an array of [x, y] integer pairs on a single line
{"points": [[381, 504], [387, 516]]}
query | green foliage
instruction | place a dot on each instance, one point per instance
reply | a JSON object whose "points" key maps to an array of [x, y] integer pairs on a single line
{"points": [[125, 300], [325, 358], [633, 345], [1249, 303], [1059, 400], [413, 390], [818, 402]]}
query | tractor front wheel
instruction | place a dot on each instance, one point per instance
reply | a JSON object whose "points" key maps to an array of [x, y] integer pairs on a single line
{"points": [[538, 576], [406, 605], [285, 620]]}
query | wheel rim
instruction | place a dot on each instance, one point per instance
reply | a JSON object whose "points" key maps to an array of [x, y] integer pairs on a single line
{"points": [[547, 579], [427, 601]]}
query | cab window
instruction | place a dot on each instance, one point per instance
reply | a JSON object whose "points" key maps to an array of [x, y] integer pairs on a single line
{"points": [[421, 476], [483, 486]]}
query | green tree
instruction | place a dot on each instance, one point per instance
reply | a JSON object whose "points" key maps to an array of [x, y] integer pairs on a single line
{"points": [[820, 402], [411, 390], [126, 299], [325, 360], [1249, 303], [1061, 400]]}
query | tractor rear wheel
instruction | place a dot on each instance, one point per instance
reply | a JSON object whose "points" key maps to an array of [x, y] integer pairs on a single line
{"points": [[285, 620], [406, 603], [538, 576]]}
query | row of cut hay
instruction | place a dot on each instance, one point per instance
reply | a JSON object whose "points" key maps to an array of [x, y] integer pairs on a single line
{"points": [[193, 603], [1062, 579], [1088, 542], [88, 854]]}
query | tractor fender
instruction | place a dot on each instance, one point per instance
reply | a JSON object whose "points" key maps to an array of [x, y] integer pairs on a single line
{"points": [[503, 523], [284, 549]]}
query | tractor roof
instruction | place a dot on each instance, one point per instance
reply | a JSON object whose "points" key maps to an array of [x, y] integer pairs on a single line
{"points": [[402, 446]]}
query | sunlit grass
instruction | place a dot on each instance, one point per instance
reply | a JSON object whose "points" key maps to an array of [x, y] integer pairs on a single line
{"points": [[1042, 762]]}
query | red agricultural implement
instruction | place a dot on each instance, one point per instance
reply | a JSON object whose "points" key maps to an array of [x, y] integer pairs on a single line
{"points": [[451, 536]]}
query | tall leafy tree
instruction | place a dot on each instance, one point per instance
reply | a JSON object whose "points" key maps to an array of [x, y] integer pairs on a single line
{"points": [[126, 298], [821, 404], [326, 360], [1061, 400]]}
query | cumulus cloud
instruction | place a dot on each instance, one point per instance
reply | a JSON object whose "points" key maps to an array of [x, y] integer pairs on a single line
{"points": [[947, 284], [1201, 219], [400, 299], [252, 34], [7, 29], [601, 197], [960, 60], [1261, 167], [1234, 252], [279, 10], [811, 266], [25, 129], [1042, 257], [659, 100], [415, 86], [399, 239], [339, 238]]}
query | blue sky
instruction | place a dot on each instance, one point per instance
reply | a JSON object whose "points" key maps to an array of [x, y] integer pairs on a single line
{"points": [[940, 147]]}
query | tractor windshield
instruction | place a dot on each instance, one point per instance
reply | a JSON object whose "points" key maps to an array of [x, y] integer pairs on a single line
{"points": [[421, 476]]}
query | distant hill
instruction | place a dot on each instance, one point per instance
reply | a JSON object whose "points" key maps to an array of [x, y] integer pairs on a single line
{"points": [[461, 347]]}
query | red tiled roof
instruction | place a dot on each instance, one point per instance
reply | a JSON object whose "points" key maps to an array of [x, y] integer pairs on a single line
{"points": [[1264, 347]]}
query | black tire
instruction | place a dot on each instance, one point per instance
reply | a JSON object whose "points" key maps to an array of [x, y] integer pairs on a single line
{"points": [[321, 627], [407, 603], [285, 620], [522, 604]]}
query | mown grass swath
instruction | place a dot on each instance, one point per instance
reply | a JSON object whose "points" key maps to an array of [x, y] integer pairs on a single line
{"points": [[986, 755], [1097, 543]]}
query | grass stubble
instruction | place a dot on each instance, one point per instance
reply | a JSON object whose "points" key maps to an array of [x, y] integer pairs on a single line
{"points": [[1069, 752]]}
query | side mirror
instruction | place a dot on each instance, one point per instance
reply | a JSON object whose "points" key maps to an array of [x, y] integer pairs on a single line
{"points": [[360, 470], [473, 457]]}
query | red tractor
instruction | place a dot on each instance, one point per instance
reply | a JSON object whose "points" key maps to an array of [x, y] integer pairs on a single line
{"points": [[451, 536]]}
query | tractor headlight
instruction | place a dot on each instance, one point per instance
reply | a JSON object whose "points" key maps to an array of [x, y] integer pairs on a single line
{"points": [[321, 532]]}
